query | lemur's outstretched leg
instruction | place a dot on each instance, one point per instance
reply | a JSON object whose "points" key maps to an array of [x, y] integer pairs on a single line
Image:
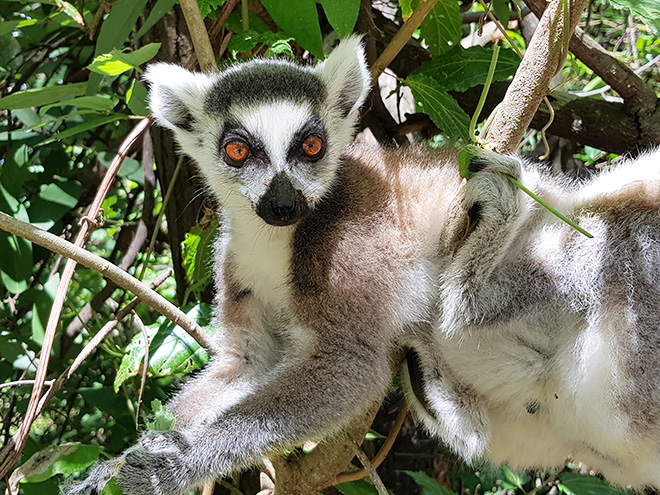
{"points": [[308, 397]]}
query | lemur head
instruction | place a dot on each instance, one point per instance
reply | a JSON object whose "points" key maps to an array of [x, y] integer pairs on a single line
{"points": [[266, 134]]}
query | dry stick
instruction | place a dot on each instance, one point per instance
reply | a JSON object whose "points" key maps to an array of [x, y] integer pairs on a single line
{"points": [[214, 31], [375, 479], [199, 35], [380, 456], [62, 289], [154, 300], [9, 454], [532, 80], [401, 38], [23, 383]]}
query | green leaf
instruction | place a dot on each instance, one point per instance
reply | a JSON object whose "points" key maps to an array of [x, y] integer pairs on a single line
{"points": [[406, 8], [41, 308], [42, 96], [16, 261], [98, 103], [442, 27], [112, 488], [648, 10], [86, 126], [461, 69], [136, 99], [464, 158], [114, 32], [198, 254], [342, 15], [443, 110], [245, 41], [514, 480], [171, 350], [53, 201], [428, 485], [300, 20], [117, 62], [67, 458], [161, 8], [501, 10], [359, 487], [206, 7], [579, 484], [164, 419]]}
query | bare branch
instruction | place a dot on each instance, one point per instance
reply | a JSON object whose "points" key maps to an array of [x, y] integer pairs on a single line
{"points": [[542, 60], [199, 35]]}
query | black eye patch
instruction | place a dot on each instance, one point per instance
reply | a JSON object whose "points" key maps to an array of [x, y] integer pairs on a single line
{"points": [[257, 150]]}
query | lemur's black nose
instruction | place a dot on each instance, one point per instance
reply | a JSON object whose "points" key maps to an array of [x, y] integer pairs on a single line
{"points": [[282, 204]]}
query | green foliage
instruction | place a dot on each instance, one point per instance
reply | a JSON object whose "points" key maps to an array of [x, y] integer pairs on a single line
{"points": [[163, 418], [428, 485], [434, 101]]}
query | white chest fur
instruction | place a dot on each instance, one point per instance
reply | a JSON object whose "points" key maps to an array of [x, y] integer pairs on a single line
{"points": [[262, 256]]}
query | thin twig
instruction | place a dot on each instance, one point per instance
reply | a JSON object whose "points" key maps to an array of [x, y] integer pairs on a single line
{"points": [[382, 453], [24, 383], [401, 38], [373, 475], [214, 31]]}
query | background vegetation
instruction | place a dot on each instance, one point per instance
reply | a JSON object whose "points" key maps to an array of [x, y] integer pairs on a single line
{"points": [[71, 93]]}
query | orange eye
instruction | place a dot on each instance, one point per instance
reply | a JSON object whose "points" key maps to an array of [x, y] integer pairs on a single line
{"points": [[237, 151], [312, 146]]}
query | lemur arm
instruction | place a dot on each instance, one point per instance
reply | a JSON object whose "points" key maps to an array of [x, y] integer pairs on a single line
{"points": [[307, 398]]}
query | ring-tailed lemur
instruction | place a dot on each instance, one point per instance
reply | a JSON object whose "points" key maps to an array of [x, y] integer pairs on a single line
{"points": [[529, 343]]}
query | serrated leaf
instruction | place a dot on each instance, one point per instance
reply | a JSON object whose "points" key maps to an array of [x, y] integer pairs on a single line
{"points": [[67, 458], [112, 488], [342, 15], [443, 110], [163, 418], [206, 7], [461, 69], [300, 20], [442, 27], [42, 96], [464, 159]]}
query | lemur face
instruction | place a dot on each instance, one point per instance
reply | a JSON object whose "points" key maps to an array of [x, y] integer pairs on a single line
{"points": [[266, 134]]}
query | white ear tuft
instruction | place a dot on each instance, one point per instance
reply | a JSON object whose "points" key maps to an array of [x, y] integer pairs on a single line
{"points": [[176, 95], [346, 75]]}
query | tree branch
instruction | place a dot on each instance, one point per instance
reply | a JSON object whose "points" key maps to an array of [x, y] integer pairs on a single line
{"points": [[154, 300], [199, 35], [543, 58]]}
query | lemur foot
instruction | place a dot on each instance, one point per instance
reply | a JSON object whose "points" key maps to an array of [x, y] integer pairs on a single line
{"points": [[489, 194]]}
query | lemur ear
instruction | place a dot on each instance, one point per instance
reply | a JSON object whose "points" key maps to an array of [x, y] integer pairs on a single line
{"points": [[346, 75], [176, 95]]}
